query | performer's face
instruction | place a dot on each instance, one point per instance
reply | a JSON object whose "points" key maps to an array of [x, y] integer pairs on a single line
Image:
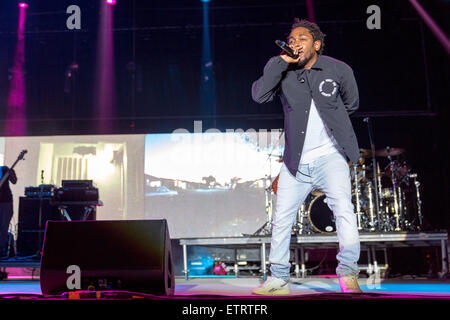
{"points": [[301, 41]]}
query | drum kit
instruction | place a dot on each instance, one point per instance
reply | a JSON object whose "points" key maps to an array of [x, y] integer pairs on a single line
{"points": [[389, 199], [385, 198]]}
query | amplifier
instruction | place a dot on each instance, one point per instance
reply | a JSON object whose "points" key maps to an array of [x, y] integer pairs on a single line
{"points": [[77, 194], [77, 184], [43, 191]]}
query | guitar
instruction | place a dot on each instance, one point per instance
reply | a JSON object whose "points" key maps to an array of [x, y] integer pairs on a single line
{"points": [[6, 176]]}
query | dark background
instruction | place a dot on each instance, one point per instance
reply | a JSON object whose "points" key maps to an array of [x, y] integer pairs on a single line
{"points": [[402, 72]]}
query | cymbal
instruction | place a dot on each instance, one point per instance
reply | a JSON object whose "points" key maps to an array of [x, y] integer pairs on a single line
{"points": [[387, 152]]}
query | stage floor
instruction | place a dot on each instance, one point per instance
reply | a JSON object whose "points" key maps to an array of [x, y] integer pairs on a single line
{"points": [[216, 287]]}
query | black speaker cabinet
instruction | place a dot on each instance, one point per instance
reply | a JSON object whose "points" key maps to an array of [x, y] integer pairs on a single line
{"points": [[128, 255], [33, 216], [31, 209]]}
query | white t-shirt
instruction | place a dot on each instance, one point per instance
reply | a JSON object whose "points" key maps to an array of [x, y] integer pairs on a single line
{"points": [[318, 141]]}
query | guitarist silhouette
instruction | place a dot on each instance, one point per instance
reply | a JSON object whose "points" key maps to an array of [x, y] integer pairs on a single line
{"points": [[7, 175]]}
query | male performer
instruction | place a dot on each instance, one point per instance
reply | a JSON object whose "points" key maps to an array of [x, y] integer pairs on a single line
{"points": [[6, 208], [317, 93]]}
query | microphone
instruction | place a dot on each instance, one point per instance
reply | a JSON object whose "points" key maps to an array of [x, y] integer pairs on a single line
{"points": [[283, 45]]}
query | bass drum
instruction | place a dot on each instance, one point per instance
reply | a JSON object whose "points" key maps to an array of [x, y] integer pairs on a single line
{"points": [[320, 215]]}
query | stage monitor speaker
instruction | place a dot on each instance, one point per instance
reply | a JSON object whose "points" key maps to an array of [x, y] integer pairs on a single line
{"points": [[128, 255]]}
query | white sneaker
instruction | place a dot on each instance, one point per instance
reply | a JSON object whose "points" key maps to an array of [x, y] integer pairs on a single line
{"points": [[273, 287], [349, 284]]}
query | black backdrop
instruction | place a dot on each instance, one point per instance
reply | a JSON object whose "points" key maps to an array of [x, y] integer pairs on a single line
{"points": [[401, 69]]}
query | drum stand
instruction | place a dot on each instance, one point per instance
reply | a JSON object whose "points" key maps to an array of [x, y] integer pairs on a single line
{"points": [[266, 228], [302, 226], [397, 197], [358, 205], [376, 182], [371, 208], [361, 218], [384, 222], [419, 201]]}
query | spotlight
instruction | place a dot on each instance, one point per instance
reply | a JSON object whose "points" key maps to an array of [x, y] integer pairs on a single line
{"points": [[23, 5], [111, 2]]}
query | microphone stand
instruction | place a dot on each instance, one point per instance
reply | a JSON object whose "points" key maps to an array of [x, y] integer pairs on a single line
{"points": [[374, 167], [41, 191], [266, 228], [38, 254]]}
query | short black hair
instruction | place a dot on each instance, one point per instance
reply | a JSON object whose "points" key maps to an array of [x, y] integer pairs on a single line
{"points": [[313, 29]]}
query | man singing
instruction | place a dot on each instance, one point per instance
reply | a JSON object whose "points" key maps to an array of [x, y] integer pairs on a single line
{"points": [[318, 93]]}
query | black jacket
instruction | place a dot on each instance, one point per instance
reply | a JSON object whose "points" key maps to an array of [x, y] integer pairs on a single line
{"points": [[330, 83]]}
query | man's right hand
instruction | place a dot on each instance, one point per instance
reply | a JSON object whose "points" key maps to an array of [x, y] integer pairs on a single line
{"points": [[289, 59]]}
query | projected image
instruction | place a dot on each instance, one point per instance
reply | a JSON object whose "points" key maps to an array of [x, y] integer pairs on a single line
{"points": [[210, 184], [2, 151], [114, 163], [104, 163]]}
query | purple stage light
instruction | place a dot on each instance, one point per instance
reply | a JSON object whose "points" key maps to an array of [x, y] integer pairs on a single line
{"points": [[310, 10], [111, 2], [434, 27], [16, 122], [105, 75]]}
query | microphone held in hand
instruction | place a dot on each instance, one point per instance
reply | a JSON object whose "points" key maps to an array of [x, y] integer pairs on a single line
{"points": [[283, 45]]}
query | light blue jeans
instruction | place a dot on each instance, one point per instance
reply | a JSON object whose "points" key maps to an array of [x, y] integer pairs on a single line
{"points": [[331, 175]]}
